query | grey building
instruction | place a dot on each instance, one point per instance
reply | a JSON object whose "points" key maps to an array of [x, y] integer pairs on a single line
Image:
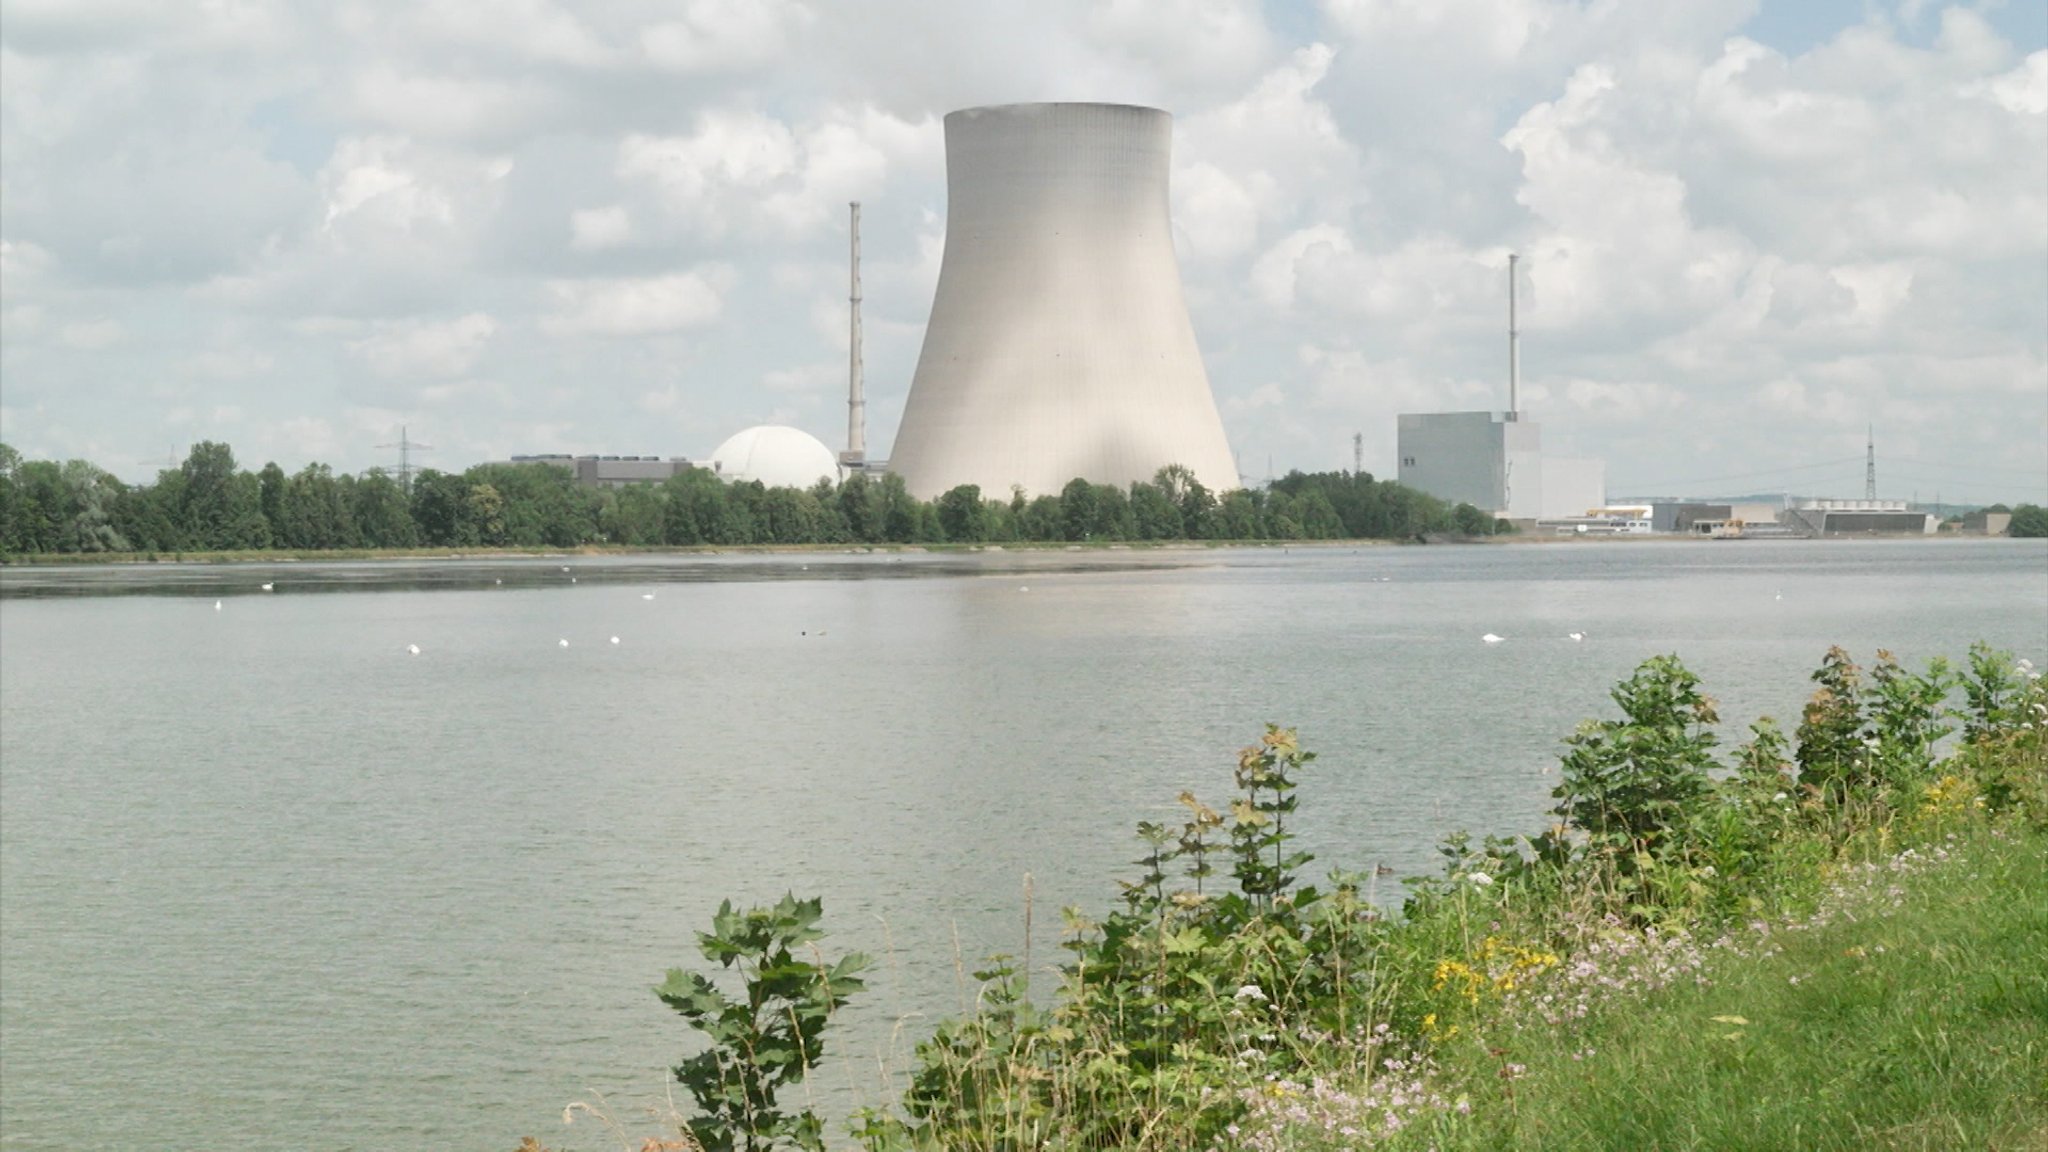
{"points": [[1857, 518], [1680, 515], [1494, 461], [611, 471], [1986, 523]]}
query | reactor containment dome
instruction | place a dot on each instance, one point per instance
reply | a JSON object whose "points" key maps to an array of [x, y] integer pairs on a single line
{"points": [[777, 456], [1059, 344]]}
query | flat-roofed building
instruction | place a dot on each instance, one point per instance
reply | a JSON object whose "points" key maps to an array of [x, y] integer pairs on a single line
{"points": [[1495, 462], [1858, 518], [610, 471]]}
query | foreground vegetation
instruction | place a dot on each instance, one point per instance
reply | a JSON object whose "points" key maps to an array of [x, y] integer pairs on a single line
{"points": [[1830, 939], [208, 504]]}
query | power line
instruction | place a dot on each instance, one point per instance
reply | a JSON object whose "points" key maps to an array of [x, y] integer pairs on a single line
{"points": [[2040, 473]]}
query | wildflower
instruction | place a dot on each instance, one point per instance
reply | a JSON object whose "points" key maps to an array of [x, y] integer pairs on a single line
{"points": [[1480, 879], [1251, 992]]}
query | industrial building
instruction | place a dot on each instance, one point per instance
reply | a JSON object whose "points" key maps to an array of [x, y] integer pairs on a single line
{"points": [[1495, 462], [1059, 344], [1858, 518], [1703, 518], [1984, 522], [611, 471], [775, 455]]}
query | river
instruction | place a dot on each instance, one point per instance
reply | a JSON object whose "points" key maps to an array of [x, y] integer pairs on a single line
{"points": [[268, 879]]}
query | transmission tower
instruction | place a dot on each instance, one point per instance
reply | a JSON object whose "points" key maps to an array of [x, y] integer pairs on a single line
{"points": [[1870, 463], [170, 459], [1357, 453], [406, 446]]}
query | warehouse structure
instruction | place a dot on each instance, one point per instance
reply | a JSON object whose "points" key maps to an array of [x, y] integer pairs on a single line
{"points": [[1495, 462]]}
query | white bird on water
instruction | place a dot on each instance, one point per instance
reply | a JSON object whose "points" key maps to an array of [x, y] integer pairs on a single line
{"points": [[563, 643], [1490, 638], [615, 639], [647, 595], [216, 605], [1575, 636], [270, 587], [413, 648]]}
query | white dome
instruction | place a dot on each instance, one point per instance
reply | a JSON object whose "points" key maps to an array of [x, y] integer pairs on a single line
{"points": [[778, 457]]}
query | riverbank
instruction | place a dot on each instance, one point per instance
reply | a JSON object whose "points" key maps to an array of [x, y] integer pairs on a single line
{"points": [[356, 555], [1829, 940], [268, 556]]}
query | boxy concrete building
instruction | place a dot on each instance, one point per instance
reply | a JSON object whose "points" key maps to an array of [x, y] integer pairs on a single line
{"points": [[1494, 461], [1858, 518], [610, 471]]}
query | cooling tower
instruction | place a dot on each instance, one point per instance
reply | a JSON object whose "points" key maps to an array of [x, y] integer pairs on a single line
{"points": [[1059, 344]]}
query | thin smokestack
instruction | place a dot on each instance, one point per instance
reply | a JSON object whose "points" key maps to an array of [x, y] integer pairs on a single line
{"points": [[1514, 347], [856, 402]]}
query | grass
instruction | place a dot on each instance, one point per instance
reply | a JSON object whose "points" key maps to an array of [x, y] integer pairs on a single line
{"points": [[1909, 1012]]}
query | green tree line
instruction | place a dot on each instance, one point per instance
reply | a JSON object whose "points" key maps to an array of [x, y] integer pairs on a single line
{"points": [[208, 504]]}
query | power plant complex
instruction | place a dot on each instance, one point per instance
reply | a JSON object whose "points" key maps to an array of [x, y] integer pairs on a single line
{"points": [[1059, 347]]}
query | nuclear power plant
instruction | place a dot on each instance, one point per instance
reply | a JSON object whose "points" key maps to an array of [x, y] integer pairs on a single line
{"points": [[1059, 344]]}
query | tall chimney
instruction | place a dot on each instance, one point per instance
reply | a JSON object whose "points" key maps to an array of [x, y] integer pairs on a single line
{"points": [[1514, 347], [856, 403]]}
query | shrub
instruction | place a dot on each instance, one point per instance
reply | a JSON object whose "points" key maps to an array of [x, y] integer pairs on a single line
{"points": [[1629, 783], [770, 1035]]}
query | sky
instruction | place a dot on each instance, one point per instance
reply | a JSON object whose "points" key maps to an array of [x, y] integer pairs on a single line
{"points": [[1749, 232]]}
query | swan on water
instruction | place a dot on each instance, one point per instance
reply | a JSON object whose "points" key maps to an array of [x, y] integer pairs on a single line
{"points": [[1490, 638]]}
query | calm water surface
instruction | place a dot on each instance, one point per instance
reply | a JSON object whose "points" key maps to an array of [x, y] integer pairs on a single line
{"points": [[269, 881]]}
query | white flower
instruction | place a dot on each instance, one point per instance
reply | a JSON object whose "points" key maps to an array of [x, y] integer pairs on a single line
{"points": [[1480, 879], [1251, 992], [1779, 796]]}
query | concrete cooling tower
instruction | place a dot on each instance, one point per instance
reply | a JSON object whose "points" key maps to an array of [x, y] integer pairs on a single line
{"points": [[1059, 344]]}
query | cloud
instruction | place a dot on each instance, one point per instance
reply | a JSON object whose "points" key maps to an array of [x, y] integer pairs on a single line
{"points": [[594, 229], [416, 348], [745, 170], [724, 35], [641, 307], [91, 335], [445, 214]]}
